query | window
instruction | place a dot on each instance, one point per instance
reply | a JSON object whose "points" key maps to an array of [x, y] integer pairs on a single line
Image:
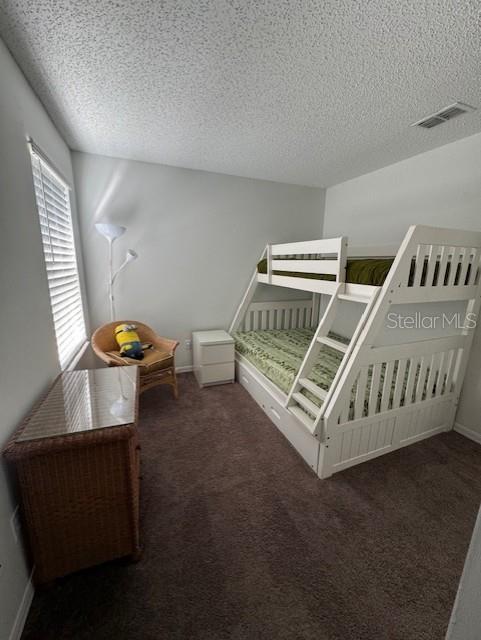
{"points": [[53, 205]]}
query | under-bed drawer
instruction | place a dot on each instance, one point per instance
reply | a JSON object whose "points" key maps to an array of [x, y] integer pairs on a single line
{"points": [[304, 443], [260, 395]]}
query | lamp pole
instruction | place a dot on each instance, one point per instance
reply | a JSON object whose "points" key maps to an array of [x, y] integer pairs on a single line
{"points": [[111, 232], [111, 280], [130, 255]]}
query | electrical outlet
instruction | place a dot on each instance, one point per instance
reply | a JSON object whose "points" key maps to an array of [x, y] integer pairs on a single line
{"points": [[15, 525], [188, 345]]}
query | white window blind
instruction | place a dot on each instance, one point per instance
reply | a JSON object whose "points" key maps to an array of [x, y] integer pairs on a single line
{"points": [[53, 204]]}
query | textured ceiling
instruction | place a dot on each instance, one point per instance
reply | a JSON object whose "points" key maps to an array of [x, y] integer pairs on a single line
{"points": [[299, 91]]}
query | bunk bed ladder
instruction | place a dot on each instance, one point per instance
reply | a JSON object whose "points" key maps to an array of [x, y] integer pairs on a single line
{"points": [[298, 404]]}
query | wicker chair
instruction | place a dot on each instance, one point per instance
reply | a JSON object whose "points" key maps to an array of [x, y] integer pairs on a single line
{"points": [[158, 365]]}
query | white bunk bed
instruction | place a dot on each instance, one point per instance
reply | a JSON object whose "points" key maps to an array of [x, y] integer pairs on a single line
{"points": [[382, 397]]}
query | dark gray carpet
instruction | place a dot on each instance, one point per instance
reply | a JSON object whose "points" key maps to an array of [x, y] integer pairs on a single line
{"points": [[242, 541]]}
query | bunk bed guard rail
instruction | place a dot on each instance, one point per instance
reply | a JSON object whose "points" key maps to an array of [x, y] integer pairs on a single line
{"points": [[326, 257]]}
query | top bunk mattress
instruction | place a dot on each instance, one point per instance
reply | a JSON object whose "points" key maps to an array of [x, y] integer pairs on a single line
{"points": [[370, 271]]}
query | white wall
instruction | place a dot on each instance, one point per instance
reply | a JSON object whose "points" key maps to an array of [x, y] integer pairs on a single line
{"points": [[465, 623], [28, 348], [441, 188], [198, 236]]}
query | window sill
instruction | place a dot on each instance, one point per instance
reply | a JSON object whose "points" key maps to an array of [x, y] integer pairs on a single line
{"points": [[76, 358]]}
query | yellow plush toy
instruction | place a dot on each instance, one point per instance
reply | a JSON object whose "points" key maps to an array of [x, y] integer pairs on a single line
{"points": [[128, 341]]}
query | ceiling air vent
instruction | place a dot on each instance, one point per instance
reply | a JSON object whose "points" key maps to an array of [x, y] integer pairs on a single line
{"points": [[443, 115]]}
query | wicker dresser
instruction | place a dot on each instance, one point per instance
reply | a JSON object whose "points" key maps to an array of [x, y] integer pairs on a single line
{"points": [[77, 461]]}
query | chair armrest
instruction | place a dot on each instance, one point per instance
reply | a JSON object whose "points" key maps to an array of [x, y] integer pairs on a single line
{"points": [[105, 356], [164, 344], [117, 360]]}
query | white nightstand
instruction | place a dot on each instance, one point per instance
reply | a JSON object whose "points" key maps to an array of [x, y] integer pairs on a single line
{"points": [[213, 357]]}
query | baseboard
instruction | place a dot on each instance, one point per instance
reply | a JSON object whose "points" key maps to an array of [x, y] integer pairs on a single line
{"points": [[187, 369], [23, 610], [468, 433]]}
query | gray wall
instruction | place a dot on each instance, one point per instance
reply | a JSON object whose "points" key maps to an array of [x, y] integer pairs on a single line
{"points": [[28, 347], [440, 188], [198, 236]]}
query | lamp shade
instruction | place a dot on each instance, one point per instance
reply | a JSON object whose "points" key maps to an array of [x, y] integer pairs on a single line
{"points": [[109, 230], [131, 255]]}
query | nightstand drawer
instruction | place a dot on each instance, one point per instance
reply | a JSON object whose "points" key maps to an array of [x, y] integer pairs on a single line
{"points": [[216, 353], [210, 373]]}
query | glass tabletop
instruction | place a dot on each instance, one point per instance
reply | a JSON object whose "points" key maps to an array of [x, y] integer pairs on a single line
{"points": [[83, 401]]}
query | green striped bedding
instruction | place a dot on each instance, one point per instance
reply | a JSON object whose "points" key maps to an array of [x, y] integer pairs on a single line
{"points": [[278, 354]]}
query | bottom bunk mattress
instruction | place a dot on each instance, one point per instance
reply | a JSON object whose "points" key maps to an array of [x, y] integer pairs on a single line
{"points": [[278, 354]]}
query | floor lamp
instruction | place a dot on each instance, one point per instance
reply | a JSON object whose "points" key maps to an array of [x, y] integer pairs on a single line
{"points": [[112, 232]]}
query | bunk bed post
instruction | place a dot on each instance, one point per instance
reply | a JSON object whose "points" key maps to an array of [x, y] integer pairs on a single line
{"points": [[316, 306], [268, 253], [472, 310], [342, 257], [247, 298], [324, 467]]}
